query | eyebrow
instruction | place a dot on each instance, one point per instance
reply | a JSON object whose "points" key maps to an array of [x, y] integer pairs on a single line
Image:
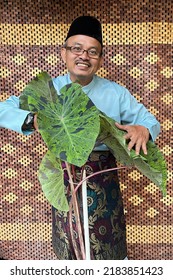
{"points": [[77, 43]]}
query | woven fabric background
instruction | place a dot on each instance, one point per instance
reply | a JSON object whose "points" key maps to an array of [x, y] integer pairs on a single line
{"points": [[138, 37]]}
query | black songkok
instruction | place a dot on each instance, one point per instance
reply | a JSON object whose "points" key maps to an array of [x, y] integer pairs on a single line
{"points": [[86, 25]]}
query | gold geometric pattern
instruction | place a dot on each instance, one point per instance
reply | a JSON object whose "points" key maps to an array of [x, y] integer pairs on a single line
{"points": [[135, 72], [25, 160], [26, 210], [26, 185], [35, 72], [18, 231], [122, 186], [167, 98], [41, 149], [41, 197], [151, 212], [9, 173], [154, 32], [4, 72], [52, 59], [135, 175], [41, 34], [3, 96], [138, 40], [19, 59], [23, 138], [167, 150], [167, 72], [138, 97], [153, 110], [167, 124], [8, 148], [168, 200], [118, 59], [170, 174], [135, 200], [20, 85], [152, 58], [102, 72], [152, 85], [10, 197], [150, 234], [151, 188]]}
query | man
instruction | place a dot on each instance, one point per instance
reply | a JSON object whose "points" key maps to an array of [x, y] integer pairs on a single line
{"points": [[82, 53]]}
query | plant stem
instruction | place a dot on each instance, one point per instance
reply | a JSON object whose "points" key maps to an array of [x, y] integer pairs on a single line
{"points": [[96, 173], [77, 217], [75, 247], [85, 217], [83, 183], [74, 205]]}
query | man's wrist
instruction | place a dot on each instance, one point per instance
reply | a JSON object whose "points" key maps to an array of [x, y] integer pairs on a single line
{"points": [[28, 124]]}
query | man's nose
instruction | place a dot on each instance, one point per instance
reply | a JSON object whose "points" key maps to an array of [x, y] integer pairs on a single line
{"points": [[85, 54]]}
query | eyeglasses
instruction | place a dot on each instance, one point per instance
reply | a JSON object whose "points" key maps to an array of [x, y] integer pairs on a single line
{"points": [[92, 53]]}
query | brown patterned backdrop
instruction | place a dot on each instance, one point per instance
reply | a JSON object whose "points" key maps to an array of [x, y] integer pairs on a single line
{"points": [[138, 37]]}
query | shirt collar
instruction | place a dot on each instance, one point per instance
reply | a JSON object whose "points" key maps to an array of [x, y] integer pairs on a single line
{"points": [[86, 88]]}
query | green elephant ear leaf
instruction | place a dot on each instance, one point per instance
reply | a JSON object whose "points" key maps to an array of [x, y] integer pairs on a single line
{"points": [[152, 165], [70, 125], [113, 138], [51, 177], [39, 91]]}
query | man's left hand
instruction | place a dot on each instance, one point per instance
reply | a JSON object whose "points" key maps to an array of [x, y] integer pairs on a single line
{"points": [[138, 136]]}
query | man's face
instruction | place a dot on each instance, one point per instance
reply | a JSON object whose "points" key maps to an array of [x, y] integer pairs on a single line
{"points": [[82, 66]]}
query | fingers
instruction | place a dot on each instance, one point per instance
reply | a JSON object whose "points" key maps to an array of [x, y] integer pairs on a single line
{"points": [[144, 148], [138, 146], [140, 143], [120, 126], [138, 136]]}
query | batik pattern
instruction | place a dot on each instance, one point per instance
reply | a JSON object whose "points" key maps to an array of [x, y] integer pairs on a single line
{"points": [[105, 213]]}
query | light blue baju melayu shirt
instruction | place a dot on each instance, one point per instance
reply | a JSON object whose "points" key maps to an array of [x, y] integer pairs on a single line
{"points": [[116, 102], [109, 97]]}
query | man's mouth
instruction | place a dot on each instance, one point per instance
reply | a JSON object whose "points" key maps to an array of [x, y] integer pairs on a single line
{"points": [[82, 64]]}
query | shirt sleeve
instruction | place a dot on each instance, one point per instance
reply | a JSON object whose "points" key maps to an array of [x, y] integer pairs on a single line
{"points": [[135, 113], [11, 116]]}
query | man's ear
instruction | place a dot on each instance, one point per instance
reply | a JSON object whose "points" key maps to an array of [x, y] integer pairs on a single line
{"points": [[63, 54]]}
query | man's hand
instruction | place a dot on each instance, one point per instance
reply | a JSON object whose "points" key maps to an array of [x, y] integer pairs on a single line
{"points": [[138, 136]]}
